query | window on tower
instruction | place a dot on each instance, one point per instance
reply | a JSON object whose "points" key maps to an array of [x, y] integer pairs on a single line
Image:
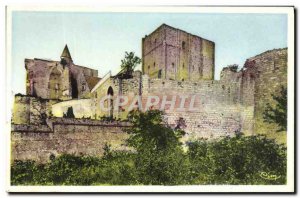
{"points": [[159, 74]]}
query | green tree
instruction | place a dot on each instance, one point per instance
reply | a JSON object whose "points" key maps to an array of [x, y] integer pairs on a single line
{"points": [[277, 114], [150, 131], [238, 160], [129, 63]]}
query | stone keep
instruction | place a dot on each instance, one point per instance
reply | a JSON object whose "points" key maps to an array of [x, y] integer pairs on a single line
{"points": [[173, 54]]}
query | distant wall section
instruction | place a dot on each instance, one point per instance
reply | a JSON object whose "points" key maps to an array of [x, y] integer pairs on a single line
{"points": [[71, 136]]}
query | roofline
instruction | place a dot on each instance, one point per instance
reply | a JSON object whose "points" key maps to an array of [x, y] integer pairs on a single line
{"points": [[268, 51], [86, 67], [166, 25], [101, 81]]}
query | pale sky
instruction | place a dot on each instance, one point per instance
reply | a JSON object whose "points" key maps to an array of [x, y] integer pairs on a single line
{"points": [[99, 40]]}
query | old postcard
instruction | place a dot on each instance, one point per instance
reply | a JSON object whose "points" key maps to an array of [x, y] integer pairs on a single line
{"points": [[150, 99]]}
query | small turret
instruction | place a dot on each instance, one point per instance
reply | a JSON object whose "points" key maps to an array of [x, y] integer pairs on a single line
{"points": [[66, 56]]}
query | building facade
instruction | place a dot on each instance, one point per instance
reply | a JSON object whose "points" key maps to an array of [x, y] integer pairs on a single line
{"points": [[233, 104], [61, 80]]}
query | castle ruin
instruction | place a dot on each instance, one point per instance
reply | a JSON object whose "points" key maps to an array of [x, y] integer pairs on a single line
{"points": [[174, 63]]}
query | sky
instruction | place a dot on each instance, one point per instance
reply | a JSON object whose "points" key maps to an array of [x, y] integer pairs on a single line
{"points": [[99, 40]]}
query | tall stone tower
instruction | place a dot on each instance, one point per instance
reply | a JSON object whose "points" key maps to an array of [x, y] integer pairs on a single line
{"points": [[174, 54]]}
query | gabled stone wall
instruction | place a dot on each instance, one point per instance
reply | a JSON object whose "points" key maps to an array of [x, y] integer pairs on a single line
{"points": [[62, 135]]}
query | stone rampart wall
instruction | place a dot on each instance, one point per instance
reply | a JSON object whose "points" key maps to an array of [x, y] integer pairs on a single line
{"points": [[72, 136]]}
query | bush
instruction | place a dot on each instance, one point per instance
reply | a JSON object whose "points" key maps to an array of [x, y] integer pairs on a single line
{"points": [[26, 173], [252, 160], [159, 159], [238, 160], [76, 170]]}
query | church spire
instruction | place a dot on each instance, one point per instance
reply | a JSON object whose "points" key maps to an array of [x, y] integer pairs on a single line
{"points": [[66, 53]]}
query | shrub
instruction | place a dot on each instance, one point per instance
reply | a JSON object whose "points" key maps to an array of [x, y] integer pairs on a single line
{"points": [[238, 160], [159, 159]]}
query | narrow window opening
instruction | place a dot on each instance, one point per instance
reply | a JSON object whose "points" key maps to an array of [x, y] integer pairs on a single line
{"points": [[159, 73]]}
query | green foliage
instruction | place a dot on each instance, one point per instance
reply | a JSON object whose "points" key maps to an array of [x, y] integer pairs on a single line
{"points": [[107, 118], [158, 159], [233, 68], [69, 113], [26, 173], [238, 160], [277, 114], [76, 170], [129, 63], [150, 132]]}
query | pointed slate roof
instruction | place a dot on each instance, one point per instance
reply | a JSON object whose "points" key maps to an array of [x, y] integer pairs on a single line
{"points": [[66, 53]]}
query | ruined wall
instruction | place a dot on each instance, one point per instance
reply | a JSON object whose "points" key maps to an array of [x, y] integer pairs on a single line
{"points": [[52, 80], [79, 83], [100, 93], [82, 108], [178, 54], [72, 136], [47, 79], [217, 113], [219, 109], [130, 87], [31, 110], [271, 74], [245, 83], [260, 77]]}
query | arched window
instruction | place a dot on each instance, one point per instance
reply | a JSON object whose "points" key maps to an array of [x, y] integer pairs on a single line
{"points": [[83, 87], [55, 84], [110, 105], [159, 73], [110, 91], [183, 45], [74, 87]]}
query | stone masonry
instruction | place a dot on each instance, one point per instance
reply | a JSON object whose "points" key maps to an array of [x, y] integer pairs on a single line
{"points": [[174, 54], [61, 135], [174, 63], [62, 79]]}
